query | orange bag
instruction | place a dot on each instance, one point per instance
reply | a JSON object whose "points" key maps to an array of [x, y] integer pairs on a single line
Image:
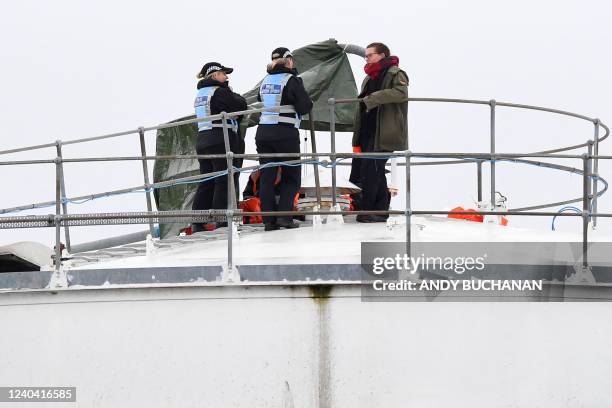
{"points": [[468, 217], [251, 205], [473, 217]]}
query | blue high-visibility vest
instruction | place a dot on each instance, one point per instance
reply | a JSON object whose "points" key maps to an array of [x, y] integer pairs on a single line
{"points": [[202, 106], [270, 93], [202, 110]]}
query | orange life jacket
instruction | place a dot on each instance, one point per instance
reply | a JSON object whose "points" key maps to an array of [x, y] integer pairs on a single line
{"points": [[472, 217]]}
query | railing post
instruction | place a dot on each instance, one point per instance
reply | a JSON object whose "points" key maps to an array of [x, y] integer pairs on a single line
{"points": [[590, 184], [230, 241], [313, 142], [408, 207], [492, 124], [585, 208], [479, 179], [58, 216], [145, 171], [230, 273], [231, 190], [332, 130], [595, 173], [58, 146]]}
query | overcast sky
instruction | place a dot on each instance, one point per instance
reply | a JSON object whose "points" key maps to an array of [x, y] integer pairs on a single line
{"points": [[72, 69]]}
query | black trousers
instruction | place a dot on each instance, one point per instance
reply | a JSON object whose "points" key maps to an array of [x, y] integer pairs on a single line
{"points": [[212, 194], [290, 180], [375, 192]]}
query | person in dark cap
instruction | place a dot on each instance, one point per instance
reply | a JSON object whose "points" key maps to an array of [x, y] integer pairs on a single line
{"points": [[278, 133], [213, 97]]}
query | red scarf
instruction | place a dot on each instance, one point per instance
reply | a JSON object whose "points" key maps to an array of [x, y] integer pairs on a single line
{"points": [[374, 69]]}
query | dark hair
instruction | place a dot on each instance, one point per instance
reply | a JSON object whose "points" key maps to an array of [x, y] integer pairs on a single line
{"points": [[380, 48]]}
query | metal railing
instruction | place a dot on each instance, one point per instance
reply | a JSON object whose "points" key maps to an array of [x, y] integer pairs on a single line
{"points": [[58, 220]]}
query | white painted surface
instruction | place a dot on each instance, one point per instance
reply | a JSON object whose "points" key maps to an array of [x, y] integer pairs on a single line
{"points": [[237, 346], [33, 252], [331, 244]]}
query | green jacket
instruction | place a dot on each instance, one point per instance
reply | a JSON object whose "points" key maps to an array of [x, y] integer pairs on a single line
{"points": [[392, 119]]}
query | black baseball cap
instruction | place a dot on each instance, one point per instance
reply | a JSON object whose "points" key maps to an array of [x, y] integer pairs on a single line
{"points": [[281, 52], [211, 67]]}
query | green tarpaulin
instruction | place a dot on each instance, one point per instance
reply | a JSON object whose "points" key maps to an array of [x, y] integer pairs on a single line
{"points": [[326, 72]]}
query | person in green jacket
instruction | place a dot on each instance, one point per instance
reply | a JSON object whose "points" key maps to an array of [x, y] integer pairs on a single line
{"points": [[381, 125]]}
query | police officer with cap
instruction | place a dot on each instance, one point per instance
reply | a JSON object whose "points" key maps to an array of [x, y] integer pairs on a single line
{"points": [[278, 133], [213, 97]]}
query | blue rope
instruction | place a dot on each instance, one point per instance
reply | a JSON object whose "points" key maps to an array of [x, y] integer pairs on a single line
{"points": [[276, 164], [562, 210]]}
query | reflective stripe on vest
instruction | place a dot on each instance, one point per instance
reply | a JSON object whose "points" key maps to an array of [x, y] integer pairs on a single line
{"points": [[270, 93], [202, 110]]}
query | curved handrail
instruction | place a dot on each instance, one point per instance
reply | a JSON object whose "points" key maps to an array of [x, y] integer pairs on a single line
{"points": [[589, 175], [597, 122], [337, 101], [524, 106], [493, 103]]}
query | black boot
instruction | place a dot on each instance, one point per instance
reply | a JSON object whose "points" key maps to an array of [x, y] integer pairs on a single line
{"points": [[364, 218], [269, 226], [287, 223], [378, 218], [371, 218]]}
